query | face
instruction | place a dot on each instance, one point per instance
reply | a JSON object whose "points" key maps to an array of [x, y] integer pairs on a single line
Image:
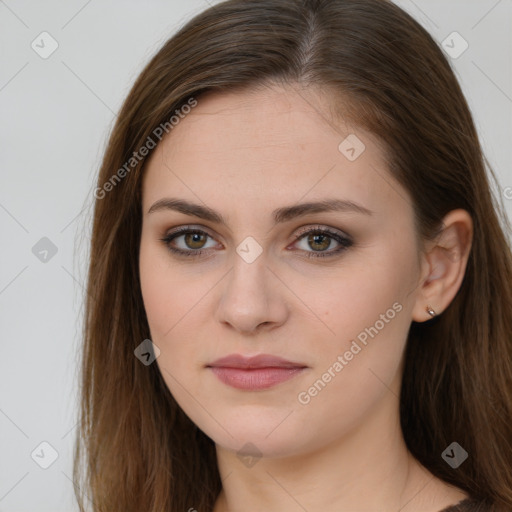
{"points": [[329, 291]]}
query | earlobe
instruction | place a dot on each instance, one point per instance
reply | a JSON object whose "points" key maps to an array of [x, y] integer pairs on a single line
{"points": [[445, 266]]}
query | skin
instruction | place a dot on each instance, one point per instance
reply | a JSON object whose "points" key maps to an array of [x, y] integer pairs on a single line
{"points": [[245, 154]]}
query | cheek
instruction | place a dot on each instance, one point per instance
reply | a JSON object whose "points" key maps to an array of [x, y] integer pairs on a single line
{"points": [[155, 294], [361, 368], [367, 309], [168, 293], [173, 299], [349, 299]]}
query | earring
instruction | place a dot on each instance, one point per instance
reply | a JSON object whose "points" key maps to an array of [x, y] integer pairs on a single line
{"points": [[430, 311]]}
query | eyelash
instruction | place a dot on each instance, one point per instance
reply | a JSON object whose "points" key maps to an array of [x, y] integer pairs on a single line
{"points": [[345, 242]]}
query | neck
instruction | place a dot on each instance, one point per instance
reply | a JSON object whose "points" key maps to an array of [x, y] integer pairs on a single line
{"points": [[369, 468]]}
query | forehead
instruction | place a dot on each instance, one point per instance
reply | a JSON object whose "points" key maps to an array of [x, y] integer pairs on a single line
{"points": [[275, 143], [267, 120]]}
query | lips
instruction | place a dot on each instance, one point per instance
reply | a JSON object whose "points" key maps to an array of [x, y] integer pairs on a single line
{"points": [[254, 373], [259, 361]]}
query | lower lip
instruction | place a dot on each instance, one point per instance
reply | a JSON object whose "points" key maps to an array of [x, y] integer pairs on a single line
{"points": [[254, 378]]}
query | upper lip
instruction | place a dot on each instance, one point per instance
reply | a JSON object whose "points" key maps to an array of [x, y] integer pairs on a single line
{"points": [[259, 361]]}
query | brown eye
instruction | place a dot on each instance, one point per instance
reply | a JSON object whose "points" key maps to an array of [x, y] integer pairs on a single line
{"points": [[320, 240], [316, 242], [187, 242]]}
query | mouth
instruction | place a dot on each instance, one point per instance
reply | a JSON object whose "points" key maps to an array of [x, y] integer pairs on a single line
{"points": [[254, 373]]}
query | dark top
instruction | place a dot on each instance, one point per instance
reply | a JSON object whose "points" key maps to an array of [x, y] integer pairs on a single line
{"points": [[468, 505]]}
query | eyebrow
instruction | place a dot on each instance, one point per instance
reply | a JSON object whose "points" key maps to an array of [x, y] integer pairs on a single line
{"points": [[280, 215]]}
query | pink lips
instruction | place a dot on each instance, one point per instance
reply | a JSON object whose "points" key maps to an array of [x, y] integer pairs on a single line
{"points": [[254, 373]]}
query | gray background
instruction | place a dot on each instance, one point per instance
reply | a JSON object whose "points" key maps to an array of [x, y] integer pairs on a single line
{"points": [[57, 114]]}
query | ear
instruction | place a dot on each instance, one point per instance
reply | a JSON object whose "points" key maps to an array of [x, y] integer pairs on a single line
{"points": [[444, 265]]}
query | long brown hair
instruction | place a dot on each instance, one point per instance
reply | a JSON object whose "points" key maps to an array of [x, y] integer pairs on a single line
{"points": [[135, 448]]}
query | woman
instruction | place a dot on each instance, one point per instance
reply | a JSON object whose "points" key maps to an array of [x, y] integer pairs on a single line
{"points": [[299, 288]]}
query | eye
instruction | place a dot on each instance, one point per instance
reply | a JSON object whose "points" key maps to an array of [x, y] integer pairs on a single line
{"points": [[187, 241], [320, 239], [192, 243]]}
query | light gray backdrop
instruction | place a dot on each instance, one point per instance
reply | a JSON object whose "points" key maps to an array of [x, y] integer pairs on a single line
{"points": [[57, 110]]}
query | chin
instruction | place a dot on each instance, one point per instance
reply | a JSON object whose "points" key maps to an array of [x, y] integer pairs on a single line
{"points": [[258, 439]]}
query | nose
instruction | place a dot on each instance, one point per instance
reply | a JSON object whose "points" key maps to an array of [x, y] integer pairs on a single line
{"points": [[253, 298]]}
